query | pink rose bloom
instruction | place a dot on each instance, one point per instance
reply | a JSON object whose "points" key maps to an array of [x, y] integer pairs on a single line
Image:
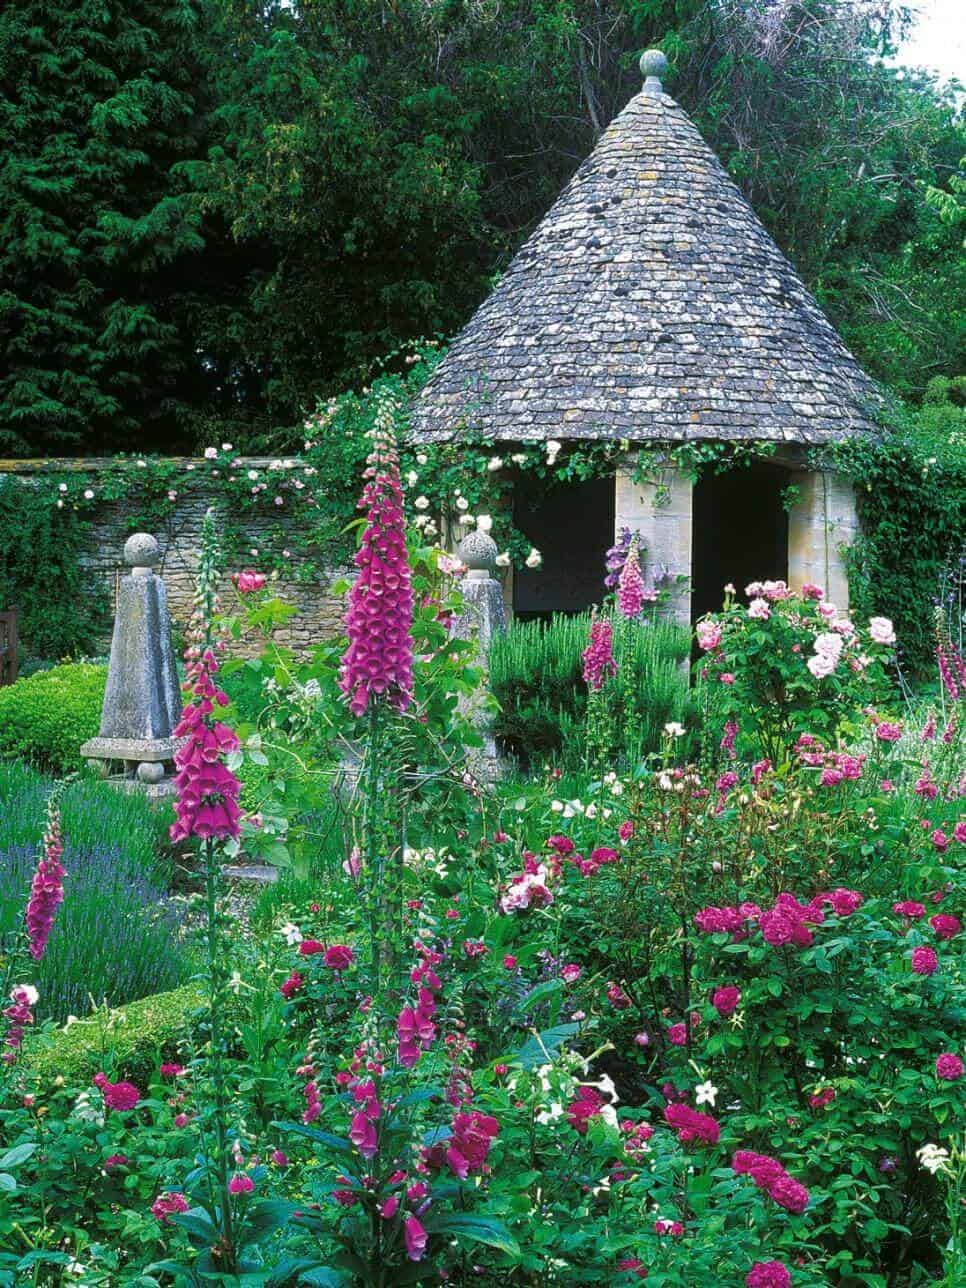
{"points": [[571, 973], [291, 985], [881, 630], [909, 908], [642, 1039], [708, 633], [510, 962], [939, 839], [725, 1000], [811, 591], [949, 1067], [165, 1205], [821, 665], [120, 1096], [768, 1274], [691, 1125], [248, 581], [888, 731], [339, 957], [677, 1034], [945, 925], [279, 1158], [759, 610], [726, 677], [240, 1184], [924, 961], [309, 947], [626, 831]]}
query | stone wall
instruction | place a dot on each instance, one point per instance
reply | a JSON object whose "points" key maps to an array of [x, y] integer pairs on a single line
{"points": [[319, 613]]}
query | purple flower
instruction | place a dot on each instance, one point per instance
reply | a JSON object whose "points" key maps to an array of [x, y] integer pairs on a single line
{"points": [[630, 585], [379, 657]]}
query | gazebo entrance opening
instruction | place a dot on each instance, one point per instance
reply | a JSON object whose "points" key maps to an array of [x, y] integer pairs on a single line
{"points": [[572, 525], [739, 532]]}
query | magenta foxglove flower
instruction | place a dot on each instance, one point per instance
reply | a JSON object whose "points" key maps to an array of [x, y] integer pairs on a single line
{"points": [[207, 800], [598, 656], [416, 1238], [47, 887], [19, 1016], [378, 661], [630, 585]]}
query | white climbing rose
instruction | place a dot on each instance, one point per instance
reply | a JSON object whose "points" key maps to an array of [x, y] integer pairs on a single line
{"points": [[534, 559], [503, 560], [421, 503], [484, 522]]}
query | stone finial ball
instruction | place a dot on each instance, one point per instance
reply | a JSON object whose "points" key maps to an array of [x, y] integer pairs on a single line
{"points": [[141, 551], [478, 551], [654, 63]]}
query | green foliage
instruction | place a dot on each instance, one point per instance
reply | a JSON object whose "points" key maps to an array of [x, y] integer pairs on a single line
{"points": [[128, 1040], [911, 497], [536, 676], [98, 236], [61, 607], [45, 717]]}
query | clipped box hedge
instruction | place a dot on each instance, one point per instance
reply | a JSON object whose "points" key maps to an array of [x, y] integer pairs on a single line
{"points": [[129, 1040], [45, 717]]}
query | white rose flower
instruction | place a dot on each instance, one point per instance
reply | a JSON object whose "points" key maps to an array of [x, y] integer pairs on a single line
{"points": [[462, 503], [484, 522], [421, 503], [495, 463], [502, 560], [226, 447], [211, 453], [412, 478], [62, 487], [518, 458], [88, 494], [421, 458], [534, 559]]}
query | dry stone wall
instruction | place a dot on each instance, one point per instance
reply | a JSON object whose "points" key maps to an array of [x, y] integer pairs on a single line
{"points": [[319, 611]]}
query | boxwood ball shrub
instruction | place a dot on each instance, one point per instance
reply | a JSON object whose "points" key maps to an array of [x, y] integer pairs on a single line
{"points": [[45, 717]]}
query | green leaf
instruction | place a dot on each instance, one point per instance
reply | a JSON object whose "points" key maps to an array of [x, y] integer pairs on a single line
{"points": [[478, 1229], [322, 1137], [19, 1154], [544, 1046]]}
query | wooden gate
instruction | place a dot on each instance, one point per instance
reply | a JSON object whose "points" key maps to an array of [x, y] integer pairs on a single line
{"points": [[8, 647]]}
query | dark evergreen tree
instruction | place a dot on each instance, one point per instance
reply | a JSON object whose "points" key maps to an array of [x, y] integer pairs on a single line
{"points": [[99, 235]]}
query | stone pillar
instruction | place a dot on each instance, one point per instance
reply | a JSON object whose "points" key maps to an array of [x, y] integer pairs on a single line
{"points": [[659, 508], [483, 616], [821, 524], [142, 700]]}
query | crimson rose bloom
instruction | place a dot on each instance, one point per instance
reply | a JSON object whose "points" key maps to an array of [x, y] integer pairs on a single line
{"points": [[949, 1066], [768, 1274], [924, 961], [339, 957], [725, 1000]]}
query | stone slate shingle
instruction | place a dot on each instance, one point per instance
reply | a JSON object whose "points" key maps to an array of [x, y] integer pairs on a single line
{"points": [[650, 303]]}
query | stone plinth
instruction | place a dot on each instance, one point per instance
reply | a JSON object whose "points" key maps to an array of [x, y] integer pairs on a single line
{"points": [[659, 508], [142, 701], [821, 525]]}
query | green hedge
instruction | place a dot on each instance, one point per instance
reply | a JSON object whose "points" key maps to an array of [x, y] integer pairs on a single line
{"points": [[129, 1041], [45, 718]]}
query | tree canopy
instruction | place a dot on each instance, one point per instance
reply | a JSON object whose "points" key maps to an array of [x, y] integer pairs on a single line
{"points": [[213, 211]]}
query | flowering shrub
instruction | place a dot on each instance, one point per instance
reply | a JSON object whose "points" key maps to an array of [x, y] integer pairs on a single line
{"points": [[787, 664]]}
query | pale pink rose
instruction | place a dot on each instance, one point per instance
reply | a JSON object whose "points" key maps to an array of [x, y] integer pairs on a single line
{"points": [[821, 665], [881, 630], [759, 609]]}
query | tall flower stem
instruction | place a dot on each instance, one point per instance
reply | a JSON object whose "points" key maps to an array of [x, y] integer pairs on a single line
{"points": [[216, 1001]]}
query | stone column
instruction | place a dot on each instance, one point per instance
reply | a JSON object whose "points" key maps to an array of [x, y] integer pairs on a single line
{"points": [[821, 525], [659, 508], [483, 616]]}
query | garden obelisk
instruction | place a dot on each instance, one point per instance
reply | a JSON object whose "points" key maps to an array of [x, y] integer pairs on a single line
{"points": [[142, 702]]}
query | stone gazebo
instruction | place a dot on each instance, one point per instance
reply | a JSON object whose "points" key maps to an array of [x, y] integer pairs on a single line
{"points": [[651, 306]]}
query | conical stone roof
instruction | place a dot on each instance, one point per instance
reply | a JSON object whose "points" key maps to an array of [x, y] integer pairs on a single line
{"points": [[650, 303]]}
